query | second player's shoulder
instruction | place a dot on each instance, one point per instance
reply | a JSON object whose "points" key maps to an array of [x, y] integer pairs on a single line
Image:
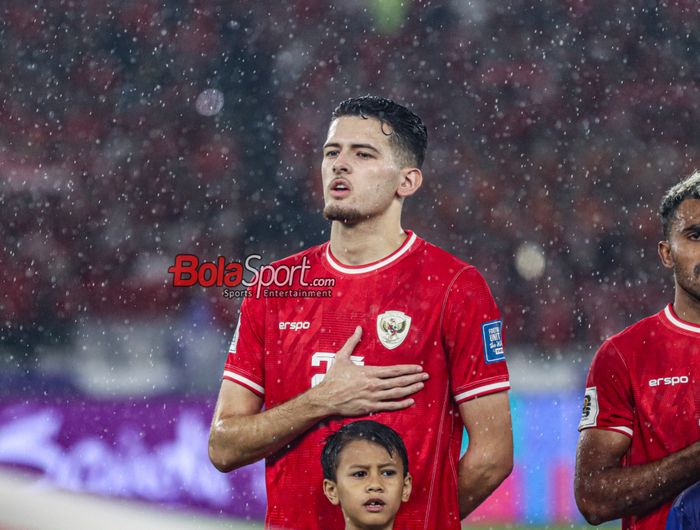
{"points": [[630, 349], [643, 334]]}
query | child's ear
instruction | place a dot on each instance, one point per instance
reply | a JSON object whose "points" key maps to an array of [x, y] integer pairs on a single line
{"points": [[407, 487], [331, 491]]}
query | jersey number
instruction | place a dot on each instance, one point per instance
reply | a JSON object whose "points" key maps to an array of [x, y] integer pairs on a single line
{"points": [[327, 358]]}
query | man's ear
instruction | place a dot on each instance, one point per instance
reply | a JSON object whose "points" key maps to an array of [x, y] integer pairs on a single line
{"points": [[407, 487], [331, 491], [665, 254], [411, 180]]}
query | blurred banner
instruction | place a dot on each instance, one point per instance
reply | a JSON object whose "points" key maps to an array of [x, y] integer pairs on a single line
{"points": [[540, 489], [155, 449], [152, 449]]}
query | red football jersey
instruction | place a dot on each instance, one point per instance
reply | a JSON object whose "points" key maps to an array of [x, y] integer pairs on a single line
{"points": [[643, 383], [419, 305]]}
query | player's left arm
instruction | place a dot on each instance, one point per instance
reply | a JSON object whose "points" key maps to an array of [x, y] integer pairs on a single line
{"points": [[489, 457]]}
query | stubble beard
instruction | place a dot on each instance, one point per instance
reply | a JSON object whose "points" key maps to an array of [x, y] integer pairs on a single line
{"points": [[350, 216], [689, 280]]}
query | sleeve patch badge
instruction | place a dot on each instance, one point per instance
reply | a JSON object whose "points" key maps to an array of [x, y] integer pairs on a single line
{"points": [[589, 414], [493, 341], [234, 340]]}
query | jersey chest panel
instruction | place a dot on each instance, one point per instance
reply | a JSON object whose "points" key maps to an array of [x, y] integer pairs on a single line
{"points": [[666, 393], [400, 325]]}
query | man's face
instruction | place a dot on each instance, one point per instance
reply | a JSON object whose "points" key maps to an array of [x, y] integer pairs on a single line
{"points": [[370, 486], [682, 250], [360, 171]]}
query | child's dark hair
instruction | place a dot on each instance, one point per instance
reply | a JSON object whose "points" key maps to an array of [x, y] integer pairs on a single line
{"points": [[409, 135], [368, 430]]}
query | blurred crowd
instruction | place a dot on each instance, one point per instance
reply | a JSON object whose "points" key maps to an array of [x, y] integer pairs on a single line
{"points": [[553, 124]]}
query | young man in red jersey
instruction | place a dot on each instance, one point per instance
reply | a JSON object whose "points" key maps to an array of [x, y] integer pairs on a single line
{"points": [[641, 417], [411, 336]]}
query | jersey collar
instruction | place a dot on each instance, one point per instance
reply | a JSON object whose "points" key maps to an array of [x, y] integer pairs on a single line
{"points": [[677, 322], [376, 265]]}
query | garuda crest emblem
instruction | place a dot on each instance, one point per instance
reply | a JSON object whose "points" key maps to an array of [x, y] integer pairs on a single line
{"points": [[392, 328]]}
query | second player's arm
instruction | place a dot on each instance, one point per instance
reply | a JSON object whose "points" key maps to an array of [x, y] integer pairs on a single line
{"points": [[605, 490], [242, 434], [489, 457]]}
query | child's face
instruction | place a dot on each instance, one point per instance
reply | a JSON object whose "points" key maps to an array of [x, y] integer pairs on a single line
{"points": [[370, 486]]}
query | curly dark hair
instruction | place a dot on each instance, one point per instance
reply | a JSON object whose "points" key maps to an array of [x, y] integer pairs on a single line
{"points": [[409, 136], [688, 188]]}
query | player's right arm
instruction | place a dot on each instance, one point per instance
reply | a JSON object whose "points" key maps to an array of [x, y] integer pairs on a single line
{"points": [[605, 490], [242, 434]]}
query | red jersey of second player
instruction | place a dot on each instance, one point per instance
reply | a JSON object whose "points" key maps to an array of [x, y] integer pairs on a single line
{"points": [[419, 305], [644, 383]]}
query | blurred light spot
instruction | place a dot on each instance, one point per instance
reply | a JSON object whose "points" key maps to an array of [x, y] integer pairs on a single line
{"points": [[529, 261], [388, 15], [210, 102]]}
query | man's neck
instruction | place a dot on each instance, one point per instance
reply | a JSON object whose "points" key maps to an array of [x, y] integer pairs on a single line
{"points": [[365, 242], [686, 306]]}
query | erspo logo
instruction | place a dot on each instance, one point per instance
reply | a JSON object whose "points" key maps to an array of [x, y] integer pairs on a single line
{"points": [[295, 326], [671, 381]]}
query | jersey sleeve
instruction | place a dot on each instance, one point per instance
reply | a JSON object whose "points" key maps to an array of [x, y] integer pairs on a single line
{"points": [[472, 333], [245, 360], [607, 403]]}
